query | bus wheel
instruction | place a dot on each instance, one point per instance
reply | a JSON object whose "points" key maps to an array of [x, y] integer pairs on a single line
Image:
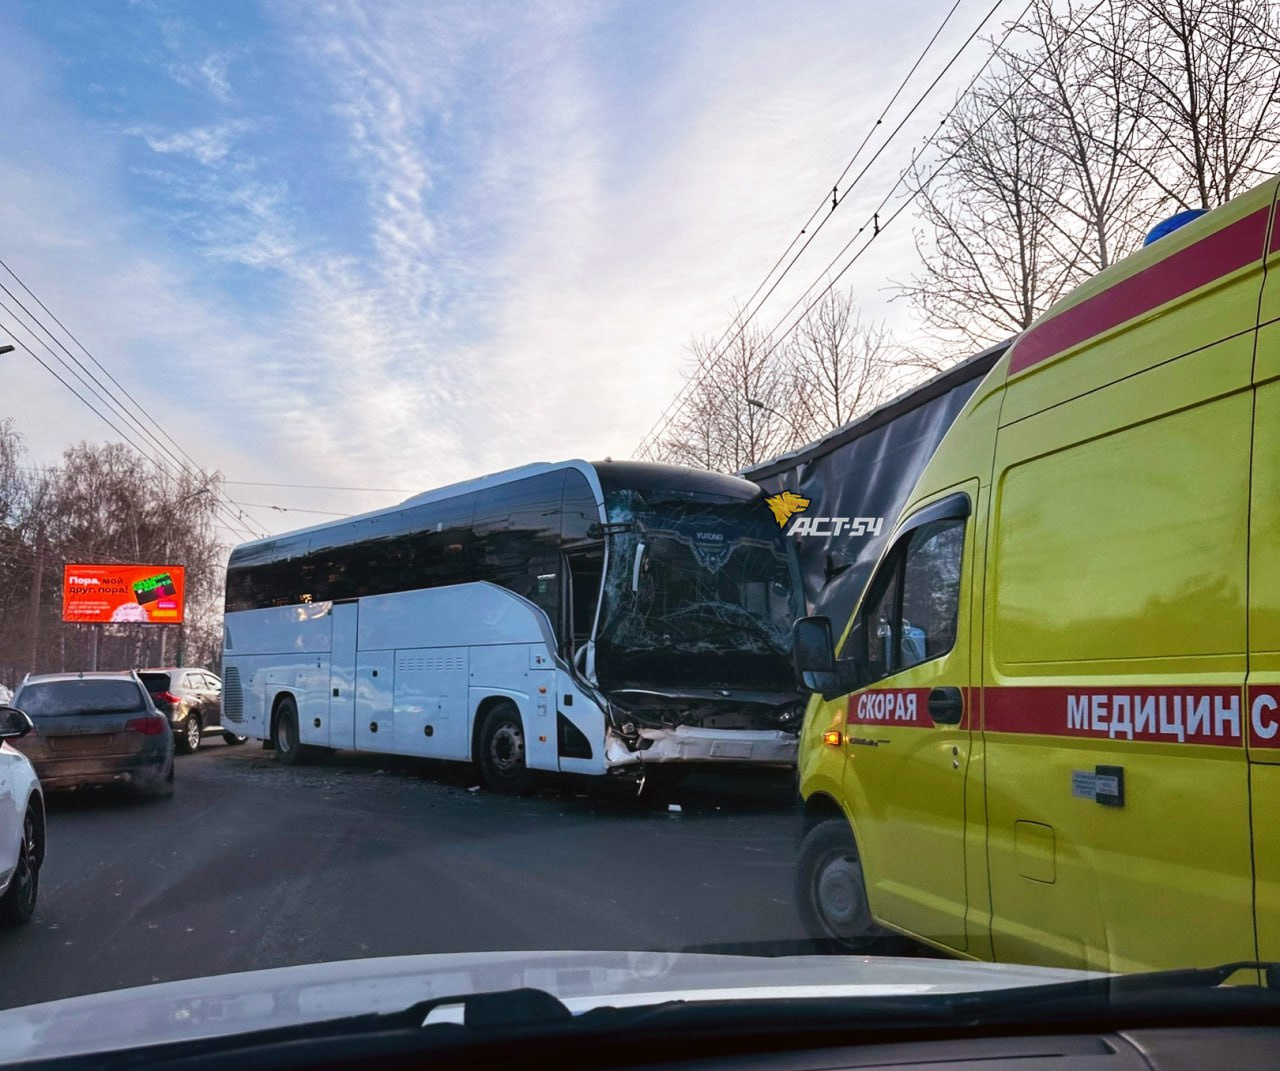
{"points": [[289, 748], [830, 891], [501, 748]]}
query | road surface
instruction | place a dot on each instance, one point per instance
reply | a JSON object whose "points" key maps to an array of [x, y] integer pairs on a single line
{"points": [[254, 864]]}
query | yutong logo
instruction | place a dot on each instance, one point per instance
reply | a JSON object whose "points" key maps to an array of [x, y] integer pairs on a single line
{"points": [[787, 504]]}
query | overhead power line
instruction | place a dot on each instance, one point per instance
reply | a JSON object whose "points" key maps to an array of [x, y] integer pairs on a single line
{"points": [[324, 487], [126, 436], [829, 203], [290, 509], [90, 381], [823, 205], [873, 220], [84, 349], [906, 203]]}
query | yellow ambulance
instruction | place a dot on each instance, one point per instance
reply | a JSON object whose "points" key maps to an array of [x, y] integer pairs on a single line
{"points": [[1050, 732]]}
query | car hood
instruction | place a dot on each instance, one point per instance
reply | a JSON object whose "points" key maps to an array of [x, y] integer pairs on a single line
{"points": [[257, 1000]]}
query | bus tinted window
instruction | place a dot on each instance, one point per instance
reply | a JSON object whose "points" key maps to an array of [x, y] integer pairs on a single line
{"points": [[579, 511], [517, 533], [443, 543]]}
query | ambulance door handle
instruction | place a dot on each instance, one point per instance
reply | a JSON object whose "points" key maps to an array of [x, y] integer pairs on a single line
{"points": [[946, 705]]}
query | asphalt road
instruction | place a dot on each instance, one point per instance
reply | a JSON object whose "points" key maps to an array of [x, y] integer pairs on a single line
{"points": [[254, 864]]}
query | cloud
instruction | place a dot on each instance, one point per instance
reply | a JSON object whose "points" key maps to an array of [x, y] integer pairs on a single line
{"points": [[213, 70], [455, 239], [207, 145]]}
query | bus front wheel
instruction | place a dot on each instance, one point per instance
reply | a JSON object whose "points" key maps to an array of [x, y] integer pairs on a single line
{"points": [[502, 750], [288, 746]]}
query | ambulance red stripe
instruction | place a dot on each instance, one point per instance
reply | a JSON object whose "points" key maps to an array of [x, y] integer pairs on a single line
{"points": [[1185, 714], [1217, 254]]}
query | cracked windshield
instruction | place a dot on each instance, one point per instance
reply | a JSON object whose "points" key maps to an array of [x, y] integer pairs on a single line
{"points": [[518, 512]]}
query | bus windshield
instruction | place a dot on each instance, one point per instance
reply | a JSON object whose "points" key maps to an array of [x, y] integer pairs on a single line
{"points": [[700, 591]]}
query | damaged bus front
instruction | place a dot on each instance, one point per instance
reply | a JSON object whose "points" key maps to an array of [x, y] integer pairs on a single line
{"points": [[691, 650]]}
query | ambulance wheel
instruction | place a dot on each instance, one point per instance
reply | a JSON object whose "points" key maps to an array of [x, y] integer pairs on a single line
{"points": [[830, 891], [502, 751]]}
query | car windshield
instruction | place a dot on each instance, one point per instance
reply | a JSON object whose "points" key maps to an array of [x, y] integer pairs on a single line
{"points": [[55, 698], [674, 485]]}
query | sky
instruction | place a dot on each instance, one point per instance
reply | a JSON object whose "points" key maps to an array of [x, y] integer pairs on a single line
{"points": [[393, 244]]}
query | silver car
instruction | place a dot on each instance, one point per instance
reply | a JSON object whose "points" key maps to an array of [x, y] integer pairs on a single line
{"points": [[96, 729], [22, 824]]}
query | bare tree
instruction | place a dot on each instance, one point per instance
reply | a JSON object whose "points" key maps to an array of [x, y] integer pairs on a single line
{"points": [[840, 366], [1092, 103], [103, 503], [1209, 113], [993, 255], [736, 412]]}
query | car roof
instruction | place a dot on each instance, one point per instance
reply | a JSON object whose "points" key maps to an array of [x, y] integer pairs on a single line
{"points": [[83, 675]]}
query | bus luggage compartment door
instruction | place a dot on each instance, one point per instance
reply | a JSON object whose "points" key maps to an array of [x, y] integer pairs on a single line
{"points": [[340, 728]]}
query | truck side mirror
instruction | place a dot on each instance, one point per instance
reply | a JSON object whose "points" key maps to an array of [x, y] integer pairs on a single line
{"points": [[814, 655]]}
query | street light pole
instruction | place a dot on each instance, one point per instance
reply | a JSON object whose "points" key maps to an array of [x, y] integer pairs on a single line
{"points": [[756, 403]]}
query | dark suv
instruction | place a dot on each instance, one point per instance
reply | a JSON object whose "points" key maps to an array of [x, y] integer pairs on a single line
{"points": [[192, 701]]}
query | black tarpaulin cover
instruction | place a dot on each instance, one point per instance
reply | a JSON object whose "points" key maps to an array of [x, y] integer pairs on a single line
{"points": [[864, 472]]}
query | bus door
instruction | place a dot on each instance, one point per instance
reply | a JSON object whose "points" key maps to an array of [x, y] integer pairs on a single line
{"points": [[583, 570], [340, 731], [908, 730]]}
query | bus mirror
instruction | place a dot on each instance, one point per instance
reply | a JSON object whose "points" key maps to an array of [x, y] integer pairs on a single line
{"points": [[635, 569], [814, 654]]}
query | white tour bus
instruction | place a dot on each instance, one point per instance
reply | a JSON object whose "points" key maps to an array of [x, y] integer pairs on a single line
{"points": [[574, 617]]}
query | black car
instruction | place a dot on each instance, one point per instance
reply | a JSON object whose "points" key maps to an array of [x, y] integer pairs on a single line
{"points": [[93, 729], [192, 701]]}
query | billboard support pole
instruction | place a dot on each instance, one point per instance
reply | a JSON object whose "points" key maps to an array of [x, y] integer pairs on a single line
{"points": [[93, 646]]}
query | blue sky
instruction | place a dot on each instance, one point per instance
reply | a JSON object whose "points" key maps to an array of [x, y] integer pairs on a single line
{"points": [[399, 244]]}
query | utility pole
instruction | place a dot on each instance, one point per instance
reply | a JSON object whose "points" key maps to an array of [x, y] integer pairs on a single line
{"points": [[36, 582]]}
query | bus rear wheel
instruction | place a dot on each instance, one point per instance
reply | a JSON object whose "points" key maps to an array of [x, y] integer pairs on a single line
{"points": [[502, 751]]}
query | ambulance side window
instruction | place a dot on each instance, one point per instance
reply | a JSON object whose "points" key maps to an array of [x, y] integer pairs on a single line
{"points": [[931, 591], [878, 620], [914, 602]]}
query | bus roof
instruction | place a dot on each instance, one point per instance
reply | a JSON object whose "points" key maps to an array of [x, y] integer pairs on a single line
{"points": [[601, 475]]}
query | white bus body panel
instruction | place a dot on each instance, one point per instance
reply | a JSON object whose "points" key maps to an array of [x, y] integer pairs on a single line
{"points": [[406, 673]]}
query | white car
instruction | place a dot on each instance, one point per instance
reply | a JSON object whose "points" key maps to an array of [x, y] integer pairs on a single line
{"points": [[22, 823]]}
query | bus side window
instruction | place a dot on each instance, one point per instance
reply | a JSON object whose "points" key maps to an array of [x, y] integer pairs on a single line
{"points": [[442, 543], [517, 539]]}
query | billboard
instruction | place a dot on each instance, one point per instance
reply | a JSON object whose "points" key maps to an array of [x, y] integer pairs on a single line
{"points": [[105, 594]]}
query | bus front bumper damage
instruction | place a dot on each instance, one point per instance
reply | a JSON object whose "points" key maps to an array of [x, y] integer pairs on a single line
{"points": [[689, 743]]}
